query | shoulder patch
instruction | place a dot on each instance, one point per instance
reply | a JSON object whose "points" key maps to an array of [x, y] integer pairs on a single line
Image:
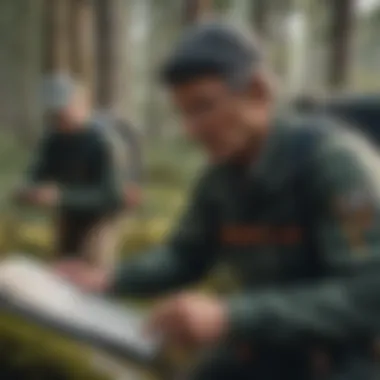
{"points": [[354, 204], [356, 212]]}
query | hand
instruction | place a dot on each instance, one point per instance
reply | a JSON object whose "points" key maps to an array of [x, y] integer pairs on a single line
{"points": [[83, 275], [132, 196], [190, 319], [45, 196]]}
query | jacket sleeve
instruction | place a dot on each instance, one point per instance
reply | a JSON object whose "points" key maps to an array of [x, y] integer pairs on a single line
{"points": [[188, 255], [346, 304], [40, 167], [107, 191]]}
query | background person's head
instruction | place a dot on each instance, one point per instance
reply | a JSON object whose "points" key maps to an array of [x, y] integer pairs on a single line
{"points": [[220, 87], [66, 103]]}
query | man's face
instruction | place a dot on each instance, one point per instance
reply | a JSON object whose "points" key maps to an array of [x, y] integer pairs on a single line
{"points": [[223, 121], [60, 120], [71, 117]]}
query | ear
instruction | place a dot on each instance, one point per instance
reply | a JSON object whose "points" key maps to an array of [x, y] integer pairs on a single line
{"points": [[260, 88]]}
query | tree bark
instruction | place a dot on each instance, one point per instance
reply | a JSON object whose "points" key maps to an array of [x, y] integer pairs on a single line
{"points": [[342, 18], [20, 24], [164, 25], [275, 28], [56, 36], [260, 10], [81, 36], [30, 118], [110, 54], [105, 53]]}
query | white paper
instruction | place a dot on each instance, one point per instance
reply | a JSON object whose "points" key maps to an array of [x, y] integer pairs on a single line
{"points": [[31, 284]]}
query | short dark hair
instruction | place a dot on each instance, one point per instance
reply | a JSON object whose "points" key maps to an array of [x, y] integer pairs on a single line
{"points": [[212, 49]]}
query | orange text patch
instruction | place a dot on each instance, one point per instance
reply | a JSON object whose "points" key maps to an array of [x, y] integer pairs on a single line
{"points": [[260, 235]]}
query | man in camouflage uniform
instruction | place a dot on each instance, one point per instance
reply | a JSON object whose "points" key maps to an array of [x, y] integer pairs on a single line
{"points": [[80, 171], [291, 204]]}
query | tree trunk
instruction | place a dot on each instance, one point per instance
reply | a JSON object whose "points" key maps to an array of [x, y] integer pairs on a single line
{"points": [[105, 55], [342, 17], [164, 25], [276, 18], [56, 36], [20, 67], [110, 54], [260, 10], [196, 10], [30, 118], [82, 41]]}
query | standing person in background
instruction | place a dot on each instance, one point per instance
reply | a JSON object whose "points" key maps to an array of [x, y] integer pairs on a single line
{"points": [[79, 171], [291, 204]]}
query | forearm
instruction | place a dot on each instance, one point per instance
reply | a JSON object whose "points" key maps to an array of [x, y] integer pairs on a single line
{"points": [[41, 165], [189, 255], [23, 195], [91, 198], [155, 273], [332, 311]]}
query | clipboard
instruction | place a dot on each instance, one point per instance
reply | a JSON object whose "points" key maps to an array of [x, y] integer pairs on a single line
{"points": [[30, 290]]}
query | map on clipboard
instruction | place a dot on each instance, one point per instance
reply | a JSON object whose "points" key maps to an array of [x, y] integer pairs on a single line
{"points": [[30, 290]]}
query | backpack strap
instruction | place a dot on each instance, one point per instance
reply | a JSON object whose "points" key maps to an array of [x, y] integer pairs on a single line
{"points": [[133, 143], [131, 140], [304, 143]]}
